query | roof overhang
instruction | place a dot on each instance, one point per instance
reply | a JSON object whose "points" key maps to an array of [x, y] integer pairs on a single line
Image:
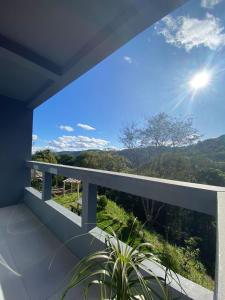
{"points": [[44, 45]]}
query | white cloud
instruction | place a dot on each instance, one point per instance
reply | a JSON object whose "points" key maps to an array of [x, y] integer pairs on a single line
{"points": [[85, 126], [66, 128], [37, 148], [72, 143], [128, 59], [34, 137], [188, 33], [209, 3]]}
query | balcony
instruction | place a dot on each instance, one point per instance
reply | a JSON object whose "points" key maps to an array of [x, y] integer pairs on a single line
{"points": [[43, 240], [45, 45], [30, 267]]}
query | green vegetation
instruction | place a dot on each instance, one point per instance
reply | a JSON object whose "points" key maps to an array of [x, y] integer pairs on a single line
{"points": [[104, 160], [102, 202], [116, 272], [188, 236], [67, 199], [183, 260], [45, 156]]}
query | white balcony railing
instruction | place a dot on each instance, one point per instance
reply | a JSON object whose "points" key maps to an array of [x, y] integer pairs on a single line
{"points": [[201, 198]]}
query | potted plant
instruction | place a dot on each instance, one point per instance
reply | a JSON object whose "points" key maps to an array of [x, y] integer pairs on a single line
{"points": [[117, 272]]}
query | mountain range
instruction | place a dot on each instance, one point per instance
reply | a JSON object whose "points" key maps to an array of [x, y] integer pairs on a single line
{"points": [[210, 149]]}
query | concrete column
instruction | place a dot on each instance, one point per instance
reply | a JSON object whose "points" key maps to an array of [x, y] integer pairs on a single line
{"points": [[47, 187], [15, 149], [89, 205], [219, 293]]}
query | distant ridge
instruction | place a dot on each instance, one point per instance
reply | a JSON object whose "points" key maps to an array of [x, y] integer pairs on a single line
{"points": [[213, 149]]}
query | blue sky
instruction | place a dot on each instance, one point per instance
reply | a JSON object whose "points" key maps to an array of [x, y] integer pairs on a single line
{"points": [[148, 75]]}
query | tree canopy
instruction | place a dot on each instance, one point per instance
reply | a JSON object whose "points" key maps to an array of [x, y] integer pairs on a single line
{"points": [[160, 130], [45, 156], [130, 136], [104, 160]]}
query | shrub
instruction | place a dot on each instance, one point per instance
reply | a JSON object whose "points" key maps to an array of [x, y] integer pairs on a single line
{"points": [[102, 202], [191, 254], [170, 258], [133, 225]]}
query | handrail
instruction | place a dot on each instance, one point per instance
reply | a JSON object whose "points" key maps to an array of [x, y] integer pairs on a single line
{"points": [[197, 197], [201, 198]]}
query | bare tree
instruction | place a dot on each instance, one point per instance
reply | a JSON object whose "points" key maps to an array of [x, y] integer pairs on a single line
{"points": [[163, 130], [151, 211], [157, 131], [130, 136], [182, 132], [160, 130]]}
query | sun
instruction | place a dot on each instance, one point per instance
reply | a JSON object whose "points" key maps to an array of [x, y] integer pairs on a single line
{"points": [[200, 80]]}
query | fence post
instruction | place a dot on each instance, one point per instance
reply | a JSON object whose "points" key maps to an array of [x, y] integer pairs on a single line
{"points": [[219, 292], [47, 186], [89, 206]]}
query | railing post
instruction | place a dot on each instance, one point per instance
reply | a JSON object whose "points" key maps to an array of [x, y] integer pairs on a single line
{"points": [[219, 292], [89, 205], [47, 186]]}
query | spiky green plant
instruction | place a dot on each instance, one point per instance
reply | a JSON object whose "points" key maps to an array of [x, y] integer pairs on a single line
{"points": [[117, 273]]}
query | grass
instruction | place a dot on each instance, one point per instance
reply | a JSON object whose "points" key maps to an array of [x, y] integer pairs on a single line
{"points": [[180, 260], [67, 199]]}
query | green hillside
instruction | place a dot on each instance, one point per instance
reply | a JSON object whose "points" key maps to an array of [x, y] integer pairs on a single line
{"points": [[203, 162], [212, 149], [181, 260]]}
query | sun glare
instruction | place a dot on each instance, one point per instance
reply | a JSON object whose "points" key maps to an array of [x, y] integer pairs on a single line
{"points": [[200, 80]]}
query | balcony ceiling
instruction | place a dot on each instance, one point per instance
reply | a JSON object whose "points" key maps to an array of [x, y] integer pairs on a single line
{"points": [[44, 45]]}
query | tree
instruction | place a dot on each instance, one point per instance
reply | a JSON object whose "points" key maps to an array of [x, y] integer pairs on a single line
{"points": [[160, 130], [182, 132], [66, 159], [45, 156], [157, 131], [211, 176], [130, 136], [102, 160], [48, 157], [163, 130]]}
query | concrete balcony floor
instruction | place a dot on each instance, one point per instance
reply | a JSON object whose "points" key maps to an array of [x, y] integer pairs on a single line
{"points": [[34, 264]]}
